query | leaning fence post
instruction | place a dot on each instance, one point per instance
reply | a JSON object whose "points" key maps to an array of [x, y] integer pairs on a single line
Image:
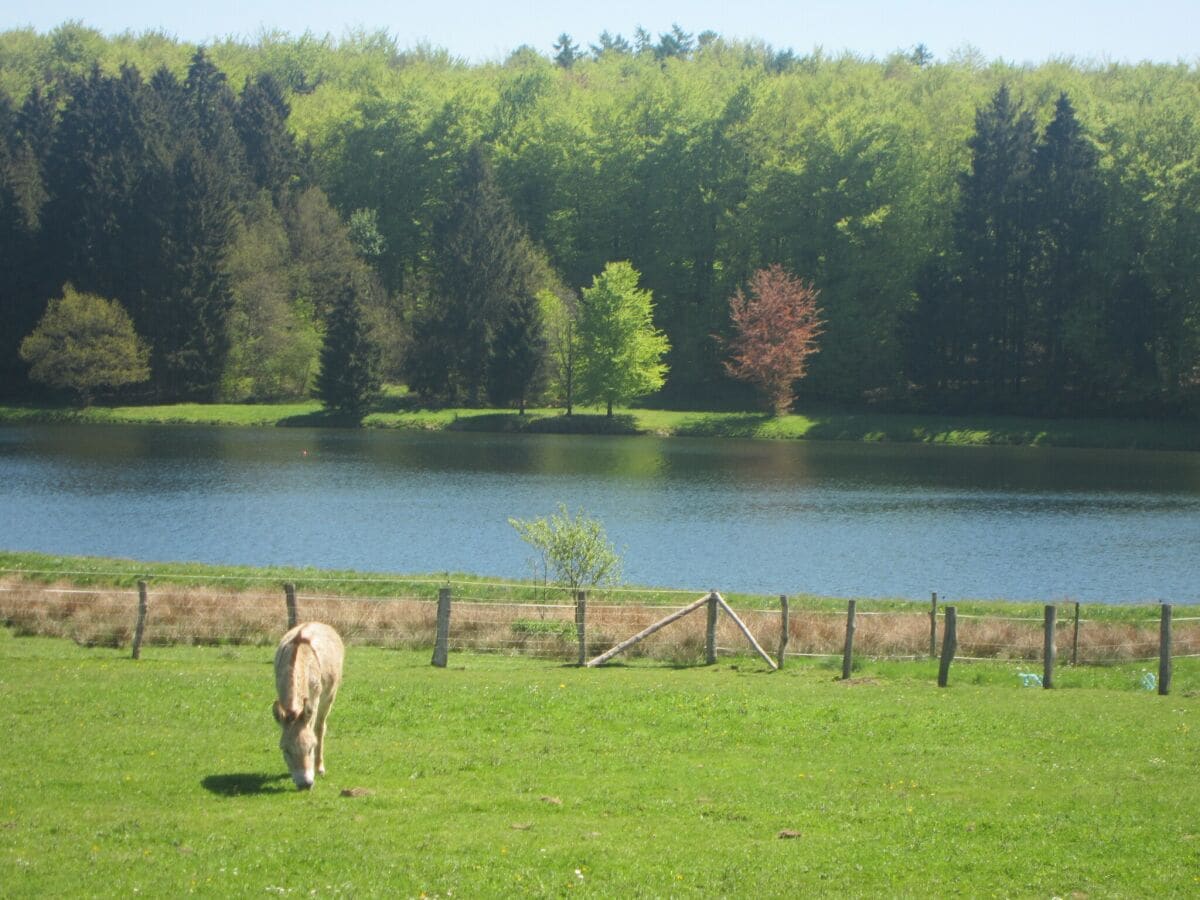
{"points": [[933, 626], [289, 594], [1164, 651], [140, 630], [784, 626], [441, 647], [848, 651], [949, 645], [710, 632], [581, 624], [1049, 649], [1075, 637]]}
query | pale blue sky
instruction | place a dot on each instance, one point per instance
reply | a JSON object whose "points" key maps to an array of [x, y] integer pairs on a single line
{"points": [[1014, 30]]}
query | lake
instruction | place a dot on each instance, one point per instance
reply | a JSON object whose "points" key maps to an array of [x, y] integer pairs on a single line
{"points": [[846, 519]]}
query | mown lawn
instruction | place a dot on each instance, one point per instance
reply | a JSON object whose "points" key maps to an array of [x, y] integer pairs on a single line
{"points": [[507, 776]]}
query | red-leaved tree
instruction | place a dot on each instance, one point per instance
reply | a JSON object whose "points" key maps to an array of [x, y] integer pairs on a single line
{"points": [[776, 326]]}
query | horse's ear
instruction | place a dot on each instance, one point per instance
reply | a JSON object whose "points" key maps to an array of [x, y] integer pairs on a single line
{"points": [[279, 712]]}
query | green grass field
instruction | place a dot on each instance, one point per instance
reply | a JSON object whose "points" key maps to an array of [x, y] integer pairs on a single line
{"points": [[503, 776], [394, 411]]}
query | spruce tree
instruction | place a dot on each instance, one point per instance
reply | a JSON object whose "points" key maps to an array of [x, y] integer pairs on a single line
{"points": [[484, 275], [261, 123], [25, 135], [519, 353], [996, 243], [349, 377], [566, 51], [1066, 194]]}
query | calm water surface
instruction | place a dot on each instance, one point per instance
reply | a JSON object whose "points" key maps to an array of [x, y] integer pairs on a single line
{"points": [[780, 517]]}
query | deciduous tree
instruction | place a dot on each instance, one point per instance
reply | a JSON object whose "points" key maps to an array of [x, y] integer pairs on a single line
{"points": [[573, 547], [560, 312], [85, 344], [621, 351], [776, 326]]}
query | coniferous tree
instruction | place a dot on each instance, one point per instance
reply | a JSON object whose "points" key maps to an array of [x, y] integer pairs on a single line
{"points": [[211, 108], [192, 207], [933, 334], [348, 380], [566, 51], [192, 333], [267, 143], [25, 135], [484, 275], [674, 43], [519, 353], [93, 172], [609, 43], [1067, 213], [996, 244]]}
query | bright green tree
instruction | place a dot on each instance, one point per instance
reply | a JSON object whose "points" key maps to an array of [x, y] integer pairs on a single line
{"points": [[575, 548], [560, 312], [620, 349], [84, 344]]}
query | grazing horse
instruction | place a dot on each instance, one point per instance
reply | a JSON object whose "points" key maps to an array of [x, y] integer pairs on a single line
{"points": [[308, 670]]}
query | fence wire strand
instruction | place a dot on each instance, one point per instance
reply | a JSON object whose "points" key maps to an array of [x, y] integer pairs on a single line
{"points": [[214, 614]]}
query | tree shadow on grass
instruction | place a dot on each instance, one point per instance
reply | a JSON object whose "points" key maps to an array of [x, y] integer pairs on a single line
{"points": [[723, 425], [489, 422], [322, 419], [241, 784], [510, 422], [585, 423]]}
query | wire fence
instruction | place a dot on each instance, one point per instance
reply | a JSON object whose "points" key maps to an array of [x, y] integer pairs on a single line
{"points": [[542, 621]]}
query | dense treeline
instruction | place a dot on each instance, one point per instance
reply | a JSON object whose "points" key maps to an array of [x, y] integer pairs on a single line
{"points": [[983, 236]]}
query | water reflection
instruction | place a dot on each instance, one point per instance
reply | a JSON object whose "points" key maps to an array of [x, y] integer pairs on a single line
{"points": [[857, 519]]}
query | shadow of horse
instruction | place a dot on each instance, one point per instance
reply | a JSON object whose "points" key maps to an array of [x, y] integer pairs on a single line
{"points": [[245, 783]]}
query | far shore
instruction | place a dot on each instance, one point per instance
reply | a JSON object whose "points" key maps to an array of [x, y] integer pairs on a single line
{"points": [[871, 427]]}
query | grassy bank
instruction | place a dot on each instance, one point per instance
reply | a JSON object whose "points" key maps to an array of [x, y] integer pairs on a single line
{"points": [[395, 412], [508, 776]]}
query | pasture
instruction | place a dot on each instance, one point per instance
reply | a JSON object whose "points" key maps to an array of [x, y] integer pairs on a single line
{"points": [[503, 776]]}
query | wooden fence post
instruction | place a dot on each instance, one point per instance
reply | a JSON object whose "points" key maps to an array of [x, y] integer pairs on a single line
{"points": [[784, 625], [289, 594], [848, 650], [1049, 648], [710, 632], [140, 630], [1164, 651], [441, 646], [737, 620], [581, 625], [1075, 637], [949, 645], [933, 626]]}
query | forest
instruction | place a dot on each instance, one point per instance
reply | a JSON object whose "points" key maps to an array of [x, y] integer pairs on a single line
{"points": [[275, 217]]}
